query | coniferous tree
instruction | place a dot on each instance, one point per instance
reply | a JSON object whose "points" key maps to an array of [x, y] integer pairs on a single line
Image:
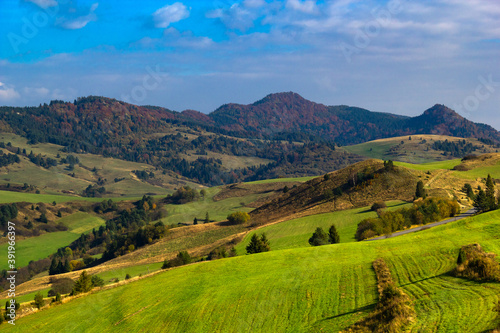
{"points": [[333, 235], [195, 221], [53, 267], [420, 191], [481, 201], [319, 237], [490, 193], [39, 302], [258, 244], [207, 218]]}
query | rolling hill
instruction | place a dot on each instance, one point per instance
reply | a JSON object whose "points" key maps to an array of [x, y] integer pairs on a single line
{"points": [[325, 288]]}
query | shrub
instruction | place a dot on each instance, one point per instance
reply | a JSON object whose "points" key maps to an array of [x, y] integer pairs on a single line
{"points": [[183, 258], [475, 264], [96, 281], [127, 277], [378, 205], [238, 217], [61, 286], [83, 284]]}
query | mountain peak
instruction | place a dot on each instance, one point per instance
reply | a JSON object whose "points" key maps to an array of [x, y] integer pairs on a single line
{"points": [[283, 98], [441, 111]]}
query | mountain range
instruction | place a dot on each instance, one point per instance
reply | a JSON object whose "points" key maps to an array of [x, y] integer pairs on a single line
{"points": [[291, 136]]}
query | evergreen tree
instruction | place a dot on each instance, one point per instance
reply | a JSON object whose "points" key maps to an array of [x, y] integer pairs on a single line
{"points": [[490, 193], [420, 191], [43, 218], [481, 201], [319, 237], [83, 284], [258, 244], [67, 267], [39, 302], [333, 235], [53, 267], [207, 218], [467, 189], [195, 221]]}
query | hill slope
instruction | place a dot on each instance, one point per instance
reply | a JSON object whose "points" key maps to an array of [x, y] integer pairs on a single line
{"points": [[324, 288], [358, 185]]}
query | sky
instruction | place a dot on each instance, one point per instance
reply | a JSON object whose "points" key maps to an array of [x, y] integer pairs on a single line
{"points": [[393, 56]]}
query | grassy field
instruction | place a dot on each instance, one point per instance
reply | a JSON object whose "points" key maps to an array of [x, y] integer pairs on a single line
{"points": [[217, 210], [296, 233], [133, 271], [446, 165], [301, 290], [414, 150], [40, 247]]}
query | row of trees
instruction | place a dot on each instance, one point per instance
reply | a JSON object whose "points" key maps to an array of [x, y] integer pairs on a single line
{"points": [[486, 200], [320, 237], [422, 212]]}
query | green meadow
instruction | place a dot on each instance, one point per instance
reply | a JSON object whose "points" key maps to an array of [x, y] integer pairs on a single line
{"points": [[42, 246], [296, 233], [310, 289]]}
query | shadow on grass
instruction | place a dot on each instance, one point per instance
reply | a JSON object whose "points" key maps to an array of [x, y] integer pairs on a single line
{"points": [[368, 308]]}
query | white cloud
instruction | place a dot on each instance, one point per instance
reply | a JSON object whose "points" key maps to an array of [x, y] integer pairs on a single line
{"points": [[7, 93], [307, 6], [44, 3], [78, 22], [164, 16]]}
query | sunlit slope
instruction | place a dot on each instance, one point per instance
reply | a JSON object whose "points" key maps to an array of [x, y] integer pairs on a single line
{"points": [[297, 290]]}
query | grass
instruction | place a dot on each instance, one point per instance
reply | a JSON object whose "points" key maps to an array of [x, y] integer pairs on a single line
{"points": [[133, 271], [413, 151], [40, 247], [324, 288], [217, 210], [446, 165], [296, 233]]}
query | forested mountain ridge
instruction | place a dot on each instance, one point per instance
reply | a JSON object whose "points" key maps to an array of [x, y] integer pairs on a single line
{"points": [[295, 136]]}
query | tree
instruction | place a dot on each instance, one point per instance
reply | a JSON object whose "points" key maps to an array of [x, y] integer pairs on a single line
{"points": [[333, 235], [39, 302], [238, 218], [53, 267], [481, 201], [83, 284], [388, 165], [207, 218], [467, 189], [378, 205], [258, 244], [96, 281], [420, 191], [490, 193], [285, 189], [43, 218], [319, 237], [195, 221]]}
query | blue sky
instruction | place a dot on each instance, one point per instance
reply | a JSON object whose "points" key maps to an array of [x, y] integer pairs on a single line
{"points": [[393, 56]]}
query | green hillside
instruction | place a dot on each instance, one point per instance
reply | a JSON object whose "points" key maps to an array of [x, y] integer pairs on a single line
{"points": [[302, 290], [296, 233], [40, 247]]}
